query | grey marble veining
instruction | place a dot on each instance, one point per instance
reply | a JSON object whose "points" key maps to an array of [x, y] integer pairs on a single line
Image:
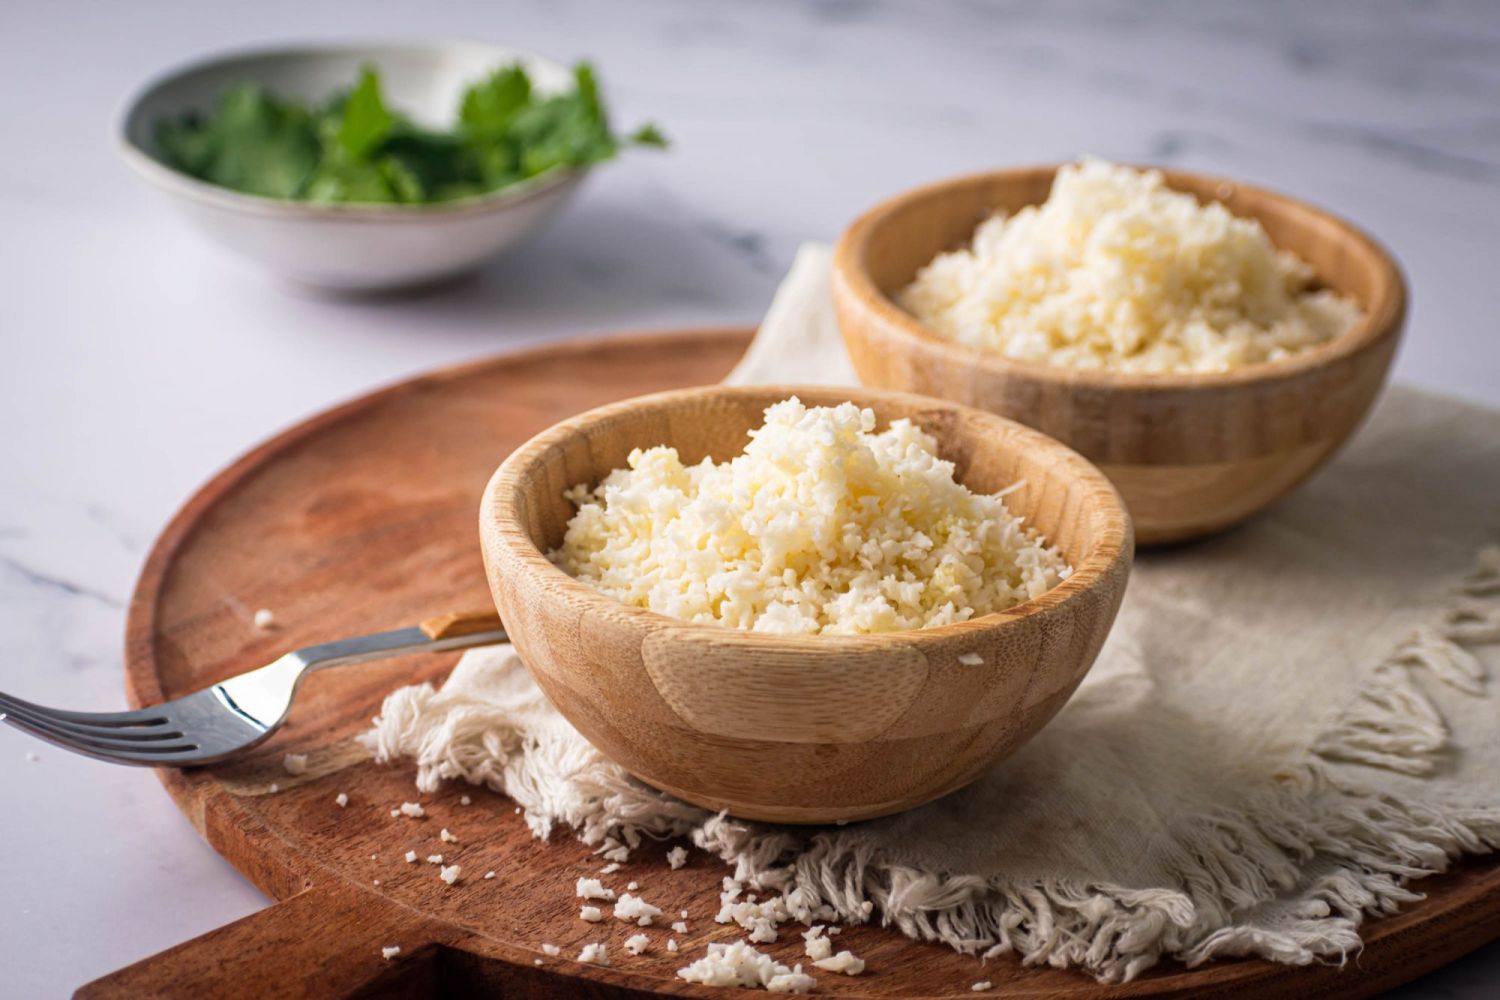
{"points": [[137, 361]]}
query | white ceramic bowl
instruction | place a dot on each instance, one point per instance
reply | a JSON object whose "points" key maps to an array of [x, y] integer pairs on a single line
{"points": [[349, 247]]}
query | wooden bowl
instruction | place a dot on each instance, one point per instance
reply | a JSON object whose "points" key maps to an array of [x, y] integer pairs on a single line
{"points": [[801, 729], [1191, 453]]}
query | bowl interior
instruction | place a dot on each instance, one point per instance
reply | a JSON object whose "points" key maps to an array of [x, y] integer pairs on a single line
{"points": [[906, 233], [1061, 494], [421, 80]]}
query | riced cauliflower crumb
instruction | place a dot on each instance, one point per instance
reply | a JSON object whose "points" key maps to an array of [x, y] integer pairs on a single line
{"points": [[635, 909], [845, 961], [683, 914], [820, 526], [610, 868], [489, 874], [591, 913], [551, 949], [818, 946], [594, 954], [1117, 271], [677, 857], [592, 888], [342, 799], [795, 981], [390, 951], [274, 788], [637, 943], [633, 886], [264, 618], [413, 809], [760, 918], [434, 859], [680, 927], [447, 837], [981, 986], [536, 961], [295, 763], [449, 873], [411, 857], [971, 659], [740, 964], [464, 800]]}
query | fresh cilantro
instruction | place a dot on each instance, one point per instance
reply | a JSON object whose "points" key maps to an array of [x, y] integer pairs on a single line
{"points": [[366, 122], [251, 143], [488, 106], [649, 135], [355, 148]]}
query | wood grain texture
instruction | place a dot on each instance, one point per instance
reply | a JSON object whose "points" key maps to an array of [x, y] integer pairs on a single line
{"points": [[457, 623], [808, 729], [363, 518], [1192, 454]]}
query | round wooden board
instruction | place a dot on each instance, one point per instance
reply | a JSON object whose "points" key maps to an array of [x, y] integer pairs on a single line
{"points": [[364, 518]]}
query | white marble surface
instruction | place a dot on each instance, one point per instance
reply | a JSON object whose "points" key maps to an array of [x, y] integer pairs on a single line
{"points": [[136, 360]]}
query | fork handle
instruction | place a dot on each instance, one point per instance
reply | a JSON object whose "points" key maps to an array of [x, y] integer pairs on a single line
{"points": [[456, 623], [456, 630]]}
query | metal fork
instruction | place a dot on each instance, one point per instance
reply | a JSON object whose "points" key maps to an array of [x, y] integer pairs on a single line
{"points": [[235, 714]]}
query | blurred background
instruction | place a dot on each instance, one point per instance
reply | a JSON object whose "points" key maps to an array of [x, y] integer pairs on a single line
{"points": [[138, 358]]}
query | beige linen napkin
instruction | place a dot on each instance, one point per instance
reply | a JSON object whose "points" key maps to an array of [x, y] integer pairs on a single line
{"points": [[1288, 725]]}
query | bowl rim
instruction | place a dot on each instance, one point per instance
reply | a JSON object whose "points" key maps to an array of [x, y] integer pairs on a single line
{"points": [[1383, 317], [1112, 553], [154, 171]]}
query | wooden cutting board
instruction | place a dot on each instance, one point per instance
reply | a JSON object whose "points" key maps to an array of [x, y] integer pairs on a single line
{"points": [[364, 518]]}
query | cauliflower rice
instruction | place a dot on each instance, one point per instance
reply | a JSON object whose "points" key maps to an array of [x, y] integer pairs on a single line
{"points": [[1117, 271], [820, 526]]}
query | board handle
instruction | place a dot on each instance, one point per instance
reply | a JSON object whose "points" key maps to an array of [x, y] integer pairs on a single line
{"points": [[325, 941], [457, 623]]}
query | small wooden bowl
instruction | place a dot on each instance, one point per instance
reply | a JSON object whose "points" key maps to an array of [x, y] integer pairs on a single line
{"points": [[801, 729], [1191, 454]]}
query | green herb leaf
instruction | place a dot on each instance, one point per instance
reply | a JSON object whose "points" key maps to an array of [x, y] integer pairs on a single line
{"points": [[353, 148], [252, 143], [648, 135], [366, 121], [587, 92], [489, 106]]}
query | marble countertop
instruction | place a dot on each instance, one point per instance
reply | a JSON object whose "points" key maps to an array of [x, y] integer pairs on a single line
{"points": [[138, 360]]}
